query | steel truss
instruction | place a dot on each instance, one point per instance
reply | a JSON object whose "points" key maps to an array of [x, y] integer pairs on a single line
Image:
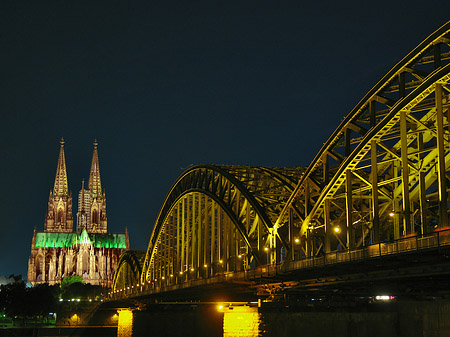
{"points": [[383, 173], [217, 219], [381, 176], [129, 269]]}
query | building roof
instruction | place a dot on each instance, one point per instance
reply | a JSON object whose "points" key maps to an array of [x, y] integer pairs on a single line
{"points": [[59, 240]]}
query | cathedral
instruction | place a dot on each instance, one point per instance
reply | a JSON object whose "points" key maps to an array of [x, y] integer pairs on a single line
{"points": [[90, 252]]}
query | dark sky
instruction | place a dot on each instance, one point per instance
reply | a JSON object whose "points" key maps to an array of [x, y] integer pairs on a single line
{"points": [[164, 85]]}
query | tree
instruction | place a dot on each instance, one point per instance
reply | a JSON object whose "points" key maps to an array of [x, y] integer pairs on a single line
{"points": [[68, 280]]}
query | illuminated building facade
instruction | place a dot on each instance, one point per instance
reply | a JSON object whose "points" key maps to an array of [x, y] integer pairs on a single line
{"points": [[90, 251]]}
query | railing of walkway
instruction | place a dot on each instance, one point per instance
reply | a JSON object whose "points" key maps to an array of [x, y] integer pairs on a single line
{"points": [[438, 238]]}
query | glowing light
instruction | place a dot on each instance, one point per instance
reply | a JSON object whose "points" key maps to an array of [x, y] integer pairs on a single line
{"points": [[162, 278], [192, 269], [240, 256], [241, 321], [266, 249], [171, 275], [61, 300], [391, 214], [384, 298], [297, 240], [220, 307], [181, 273], [337, 229], [220, 261], [60, 240], [205, 265], [125, 324], [78, 300]]}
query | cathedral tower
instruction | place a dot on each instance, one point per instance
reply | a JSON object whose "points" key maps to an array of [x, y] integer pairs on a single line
{"points": [[59, 215], [92, 202], [89, 252]]}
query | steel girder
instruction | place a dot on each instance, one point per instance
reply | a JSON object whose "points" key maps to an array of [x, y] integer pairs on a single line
{"points": [[129, 270], [384, 172], [217, 218]]}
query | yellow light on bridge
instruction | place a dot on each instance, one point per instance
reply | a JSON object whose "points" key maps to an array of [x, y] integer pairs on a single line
{"points": [[392, 213], [205, 265], [220, 307], [162, 278], [181, 273], [220, 261], [297, 240], [266, 249], [240, 256], [171, 275], [192, 269], [337, 229]]}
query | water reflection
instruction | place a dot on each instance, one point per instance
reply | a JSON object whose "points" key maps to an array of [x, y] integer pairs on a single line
{"points": [[242, 321], [125, 324]]}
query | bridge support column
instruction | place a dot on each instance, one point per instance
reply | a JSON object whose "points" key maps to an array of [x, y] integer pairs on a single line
{"points": [[349, 209], [375, 208], [291, 235], [442, 180], [328, 229], [422, 187], [408, 227]]}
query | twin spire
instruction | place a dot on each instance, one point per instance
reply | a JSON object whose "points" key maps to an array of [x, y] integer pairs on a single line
{"points": [[95, 185], [61, 186]]}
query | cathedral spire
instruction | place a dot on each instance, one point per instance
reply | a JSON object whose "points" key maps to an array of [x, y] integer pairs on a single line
{"points": [[95, 185], [61, 186]]}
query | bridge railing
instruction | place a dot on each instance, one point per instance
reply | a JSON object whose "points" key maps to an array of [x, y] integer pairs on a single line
{"points": [[403, 245]]}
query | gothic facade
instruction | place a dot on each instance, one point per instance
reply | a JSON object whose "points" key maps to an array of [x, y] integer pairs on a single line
{"points": [[90, 251]]}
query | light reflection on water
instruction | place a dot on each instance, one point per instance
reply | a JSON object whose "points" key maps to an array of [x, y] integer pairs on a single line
{"points": [[241, 321], [228, 320], [125, 324]]}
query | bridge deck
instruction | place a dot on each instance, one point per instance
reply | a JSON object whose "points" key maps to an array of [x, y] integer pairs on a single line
{"points": [[402, 260]]}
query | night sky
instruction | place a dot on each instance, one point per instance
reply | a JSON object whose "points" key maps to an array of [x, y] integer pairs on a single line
{"points": [[165, 85]]}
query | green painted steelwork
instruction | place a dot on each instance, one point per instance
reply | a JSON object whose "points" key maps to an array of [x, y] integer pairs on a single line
{"points": [[60, 240]]}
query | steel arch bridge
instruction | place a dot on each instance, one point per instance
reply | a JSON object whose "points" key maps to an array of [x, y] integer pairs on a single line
{"points": [[380, 177]]}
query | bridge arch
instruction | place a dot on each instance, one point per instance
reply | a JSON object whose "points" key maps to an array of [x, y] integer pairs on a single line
{"points": [[129, 270], [383, 174], [217, 218]]}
